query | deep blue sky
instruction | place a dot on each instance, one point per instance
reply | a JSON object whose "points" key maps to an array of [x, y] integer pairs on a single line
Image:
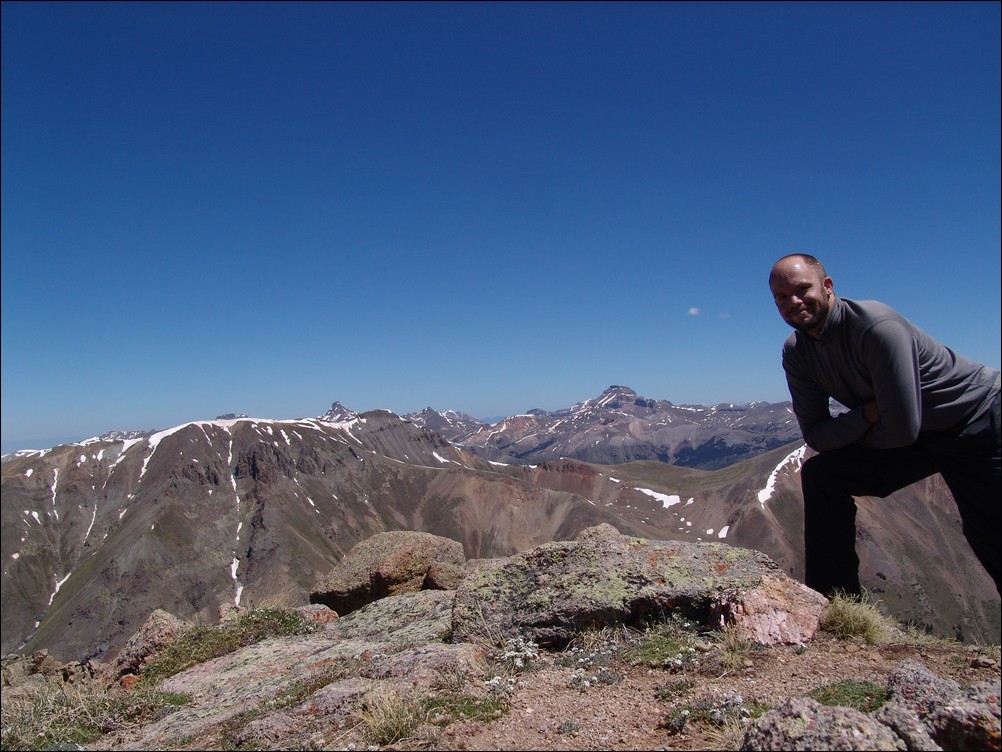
{"points": [[263, 208]]}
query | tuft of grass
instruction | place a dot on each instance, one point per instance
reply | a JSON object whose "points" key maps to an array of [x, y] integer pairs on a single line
{"points": [[60, 716], [729, 734], [200, 644], [600, 640], [446, 709], [851, 617], [733, 648], [864, 696], [390, 716]]}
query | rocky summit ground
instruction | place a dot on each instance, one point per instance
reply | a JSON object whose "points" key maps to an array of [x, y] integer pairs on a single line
{"points": [[554, 711], [594, 698], [522, 656], [621, 706], [594, 695]]}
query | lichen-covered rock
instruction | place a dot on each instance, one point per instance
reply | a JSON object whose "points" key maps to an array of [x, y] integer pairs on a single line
{"points": [[388, 564], [552, 592], [804, 724], [317, 613], [413, 618], [924, 712], [969, 721], [916, 687]]}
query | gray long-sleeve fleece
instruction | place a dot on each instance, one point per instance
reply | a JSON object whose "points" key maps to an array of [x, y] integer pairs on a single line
{"points": [[868, 351]]}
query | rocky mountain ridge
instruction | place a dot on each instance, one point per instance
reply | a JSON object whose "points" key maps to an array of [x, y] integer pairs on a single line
{"points": [[621, 426]]}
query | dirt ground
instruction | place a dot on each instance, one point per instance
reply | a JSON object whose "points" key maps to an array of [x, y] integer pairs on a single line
{"points": [[557, 707]]}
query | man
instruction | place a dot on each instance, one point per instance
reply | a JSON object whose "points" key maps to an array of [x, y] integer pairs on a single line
{"points": [[915, 408]]}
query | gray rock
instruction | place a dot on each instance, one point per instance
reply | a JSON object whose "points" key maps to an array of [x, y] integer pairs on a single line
{"points": [[906, 724], [914, 686], [551, 592], [803, 724]]}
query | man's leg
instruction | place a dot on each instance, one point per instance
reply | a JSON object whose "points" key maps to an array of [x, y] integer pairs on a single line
{"points": [[830, 480], [971, 465]]}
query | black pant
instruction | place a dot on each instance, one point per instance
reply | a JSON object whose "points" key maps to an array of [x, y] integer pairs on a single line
{"points": [[969, 462]]}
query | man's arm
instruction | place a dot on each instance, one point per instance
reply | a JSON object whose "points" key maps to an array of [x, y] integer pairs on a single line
{"points": [[820, 429], [890, 353]]}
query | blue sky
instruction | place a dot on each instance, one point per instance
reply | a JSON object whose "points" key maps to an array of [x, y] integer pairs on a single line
{"points": [[264, 208]]}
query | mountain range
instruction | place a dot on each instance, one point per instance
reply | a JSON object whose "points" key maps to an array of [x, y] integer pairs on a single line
{"points": [[619, 426], [236, 511]]}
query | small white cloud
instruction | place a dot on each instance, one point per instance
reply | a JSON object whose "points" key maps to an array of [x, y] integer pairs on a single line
{"points": [[694, 311], [725, 315]]}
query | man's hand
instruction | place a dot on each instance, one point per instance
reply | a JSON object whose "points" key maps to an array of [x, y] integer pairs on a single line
{"points": [[871, 412]]}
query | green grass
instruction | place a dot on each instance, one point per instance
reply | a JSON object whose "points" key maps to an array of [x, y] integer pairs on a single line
{"points": [[864, 696], [463, 707], [670, 645], [200, 644]]}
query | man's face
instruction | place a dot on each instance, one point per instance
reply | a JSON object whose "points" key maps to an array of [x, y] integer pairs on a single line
{"points": [[803, 299]]}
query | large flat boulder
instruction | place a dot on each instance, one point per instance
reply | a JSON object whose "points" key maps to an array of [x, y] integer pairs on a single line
{"points": [[552, 592]]}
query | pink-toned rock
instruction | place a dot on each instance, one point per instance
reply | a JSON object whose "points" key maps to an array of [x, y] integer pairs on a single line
{"points": [[779, 610], [387, 564], [317, 613], [159, 630]]}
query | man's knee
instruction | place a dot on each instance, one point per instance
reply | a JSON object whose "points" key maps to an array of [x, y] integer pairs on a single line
{"points": [[818, 467]]}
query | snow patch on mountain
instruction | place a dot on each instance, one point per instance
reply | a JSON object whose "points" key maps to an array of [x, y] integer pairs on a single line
{"points": [[794, 460], [667, 500]]}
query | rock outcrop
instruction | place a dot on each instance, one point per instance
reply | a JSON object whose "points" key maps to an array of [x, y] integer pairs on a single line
{"points": [[391, 563], [554, 591]]}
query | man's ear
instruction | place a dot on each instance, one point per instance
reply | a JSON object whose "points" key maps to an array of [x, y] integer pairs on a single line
{"points": [[829, 284]]}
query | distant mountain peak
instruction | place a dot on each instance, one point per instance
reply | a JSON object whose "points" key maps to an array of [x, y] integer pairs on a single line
{"points": [[447, 423], [337, 414]]}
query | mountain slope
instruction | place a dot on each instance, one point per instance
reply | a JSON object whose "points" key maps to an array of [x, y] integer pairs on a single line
{"points": [[242, 511], [225, 512]]}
